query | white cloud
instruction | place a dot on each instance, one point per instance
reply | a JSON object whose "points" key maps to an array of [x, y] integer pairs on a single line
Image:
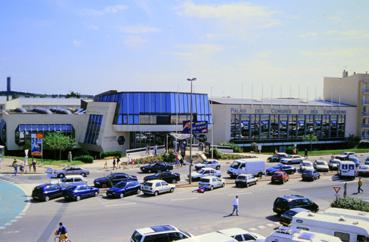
{"points": [[339, 53], [349, 34], [241, 13], [134, 41], [138, 29], [197, 51], [76, 43], [111, 9]]}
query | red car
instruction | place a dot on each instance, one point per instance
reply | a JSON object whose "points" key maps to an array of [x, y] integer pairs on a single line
{"points": [[279, 177]]}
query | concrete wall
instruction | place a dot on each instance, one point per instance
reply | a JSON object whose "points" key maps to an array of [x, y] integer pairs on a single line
{"points": [[344, 90]]}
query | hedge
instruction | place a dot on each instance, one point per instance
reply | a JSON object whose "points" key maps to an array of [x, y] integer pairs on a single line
{"points": [[351, 203], [84, 158], [116, 153]]}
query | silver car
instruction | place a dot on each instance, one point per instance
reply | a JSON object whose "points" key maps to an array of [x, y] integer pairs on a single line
{"points": [[69, 170], [208, 164]]}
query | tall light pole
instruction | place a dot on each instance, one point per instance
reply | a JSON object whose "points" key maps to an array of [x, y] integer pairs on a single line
{"points": [[191, 119]]}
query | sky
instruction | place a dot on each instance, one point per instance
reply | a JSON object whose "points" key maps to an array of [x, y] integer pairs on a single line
{"points": [[250, 49]]}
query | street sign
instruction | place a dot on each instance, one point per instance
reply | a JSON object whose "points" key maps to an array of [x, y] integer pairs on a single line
{"points": [[336, 189]]}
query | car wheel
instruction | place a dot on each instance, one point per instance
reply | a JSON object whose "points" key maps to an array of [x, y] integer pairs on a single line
{"points": [[121, 195], [84, 174], [156, 193], [148, 171], [96, 194], [217, 168], [211, 188], [223, 184], [78, 198], [138, 191], [61, 175], [174, 181], [246, 185], [172, 190], [47, 198]]}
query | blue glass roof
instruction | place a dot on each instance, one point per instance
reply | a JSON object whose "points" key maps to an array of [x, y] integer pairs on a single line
{"points": [[67, 128]]}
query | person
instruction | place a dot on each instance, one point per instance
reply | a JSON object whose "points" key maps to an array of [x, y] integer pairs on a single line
{"points": [[25, 164], [106, 165], [155, 150], [129, 159], [235, 204], [15, 166], [359, 185], [29, 165], [62, 232], [34, 165], [114, 162], [306, 152], [147, 150], [118, 162]]}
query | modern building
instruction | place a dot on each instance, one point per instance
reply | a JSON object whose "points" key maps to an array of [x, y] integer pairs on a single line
{"points": [[353, 90]]}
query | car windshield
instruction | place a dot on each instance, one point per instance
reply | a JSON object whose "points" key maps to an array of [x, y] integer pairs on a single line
{"points": [[289, 213], [121, 185], [148, 184], [205, 180], [308, 172], [241, 178], [307, 164], [319, 162], [204, 171], [235, 164]]}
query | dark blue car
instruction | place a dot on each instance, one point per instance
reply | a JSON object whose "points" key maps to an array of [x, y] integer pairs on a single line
{"points": [[48, 191], [280, 167], [123, 189], [76, 193], [310, 175]]}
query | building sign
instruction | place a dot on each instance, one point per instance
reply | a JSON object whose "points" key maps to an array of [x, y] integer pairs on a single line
{"points": [[36, 144], [199, 127], [286, 111]]}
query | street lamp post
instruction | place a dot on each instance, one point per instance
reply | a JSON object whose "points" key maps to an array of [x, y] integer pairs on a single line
{"points": [[191, 119]]}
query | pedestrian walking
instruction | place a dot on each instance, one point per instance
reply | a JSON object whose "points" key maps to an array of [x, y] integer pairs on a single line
{"points": [[118, 162], [15, 166], [235, 204], [306, 152], [34, 165], [147, 150], [114, 163], [106, 164], [155, 150], [29, 165], [359, 185]]}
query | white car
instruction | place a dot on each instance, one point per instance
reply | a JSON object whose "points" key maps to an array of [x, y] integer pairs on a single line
{"points": [[293, 159], [156, 187], [349, 154], [73, 180], [242, 235], [363, 170], [211, 182], [209, 164], [245, 180], [205, 172], [321, 165], [159, 233], [306, 165]]}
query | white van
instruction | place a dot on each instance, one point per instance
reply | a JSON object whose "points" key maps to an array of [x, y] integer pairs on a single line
{"points": [[247, 166], [347, 229], [347, 169], [210, 237], [285, 234], [355, 214]]}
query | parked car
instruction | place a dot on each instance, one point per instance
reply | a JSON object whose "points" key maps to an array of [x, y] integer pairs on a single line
{"points": [[112, 179], [72, 180], [245, 180], [321, 165], [209, 164], [156, 187], [242, 235], [334, 164], [47, 191], [306, 165], [123, 188], [210, 237], [277, 157], [355, 160], [69, 170], [76, 193], [156, 167], [347, 169], [205, 172], [279, 177], [310, 175], [287, 216], [367, 161], [348, 153], [363, 170], [287, 202], [211, 182], [280, 167], [292, 159], [165, 233], [167, 176]]}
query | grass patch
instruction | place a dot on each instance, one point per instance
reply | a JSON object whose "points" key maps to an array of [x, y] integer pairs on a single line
{"points": [[333, 152], [48, 162]]}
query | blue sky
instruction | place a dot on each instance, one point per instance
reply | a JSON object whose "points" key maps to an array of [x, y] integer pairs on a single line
{"points": [[234, 48]]}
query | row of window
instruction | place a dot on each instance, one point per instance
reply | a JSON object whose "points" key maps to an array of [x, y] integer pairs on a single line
{"points": [[163, 119], [93, 128], [286, 126]]}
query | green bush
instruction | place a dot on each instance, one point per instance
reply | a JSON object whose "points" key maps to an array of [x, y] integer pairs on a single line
{"points": [[84, 158], [216, 155], [351, 203], [234, 147], [147, 159], [116, 153], [169, 157], [364, 144]]}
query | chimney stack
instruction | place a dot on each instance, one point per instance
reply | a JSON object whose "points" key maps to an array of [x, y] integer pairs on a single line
{"points": [[8, 87], [344, 73]]}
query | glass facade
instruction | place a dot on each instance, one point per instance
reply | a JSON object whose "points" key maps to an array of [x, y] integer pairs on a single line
{"points": [[157, 108], [286, 127], [93, 128]]}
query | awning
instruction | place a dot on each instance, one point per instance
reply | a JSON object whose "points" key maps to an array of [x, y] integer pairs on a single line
{"points": [[67, 128], [180, 136]]}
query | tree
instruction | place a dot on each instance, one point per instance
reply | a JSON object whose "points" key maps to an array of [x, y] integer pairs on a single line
{"points": [[73, 95], [310, 138], [58, 142]]}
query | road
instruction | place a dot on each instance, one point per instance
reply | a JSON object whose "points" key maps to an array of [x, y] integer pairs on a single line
{"points": [[100, 219]]}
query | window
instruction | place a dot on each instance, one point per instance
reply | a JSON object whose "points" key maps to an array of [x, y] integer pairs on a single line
{"points": [[136, 237], [345, 237], [239, 238], [157, 238], [93, 128], [249, 237], [362, 238], [176, 236]]}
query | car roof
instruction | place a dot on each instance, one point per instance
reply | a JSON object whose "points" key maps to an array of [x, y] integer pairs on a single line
{"points": [[155, 180], [156, 229], [233, 231], [209, 177], [291, 197], [208, 168], [74, 176], [298, 210], [247, 174]]}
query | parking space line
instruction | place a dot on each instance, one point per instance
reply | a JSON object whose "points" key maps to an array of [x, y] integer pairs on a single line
{"points": [[183, 199], [271, 225], [252, 229], [261, 227]]}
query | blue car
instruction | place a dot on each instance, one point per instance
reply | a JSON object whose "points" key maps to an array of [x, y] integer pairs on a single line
{"points": [[280, 167], [123, 189], [48, 191], [76, 193], [310, 175]]}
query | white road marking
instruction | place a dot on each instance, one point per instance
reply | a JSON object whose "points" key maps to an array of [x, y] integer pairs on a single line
{"points": [[183, 199], [261, 227], [271, 225], [252, 229]]}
